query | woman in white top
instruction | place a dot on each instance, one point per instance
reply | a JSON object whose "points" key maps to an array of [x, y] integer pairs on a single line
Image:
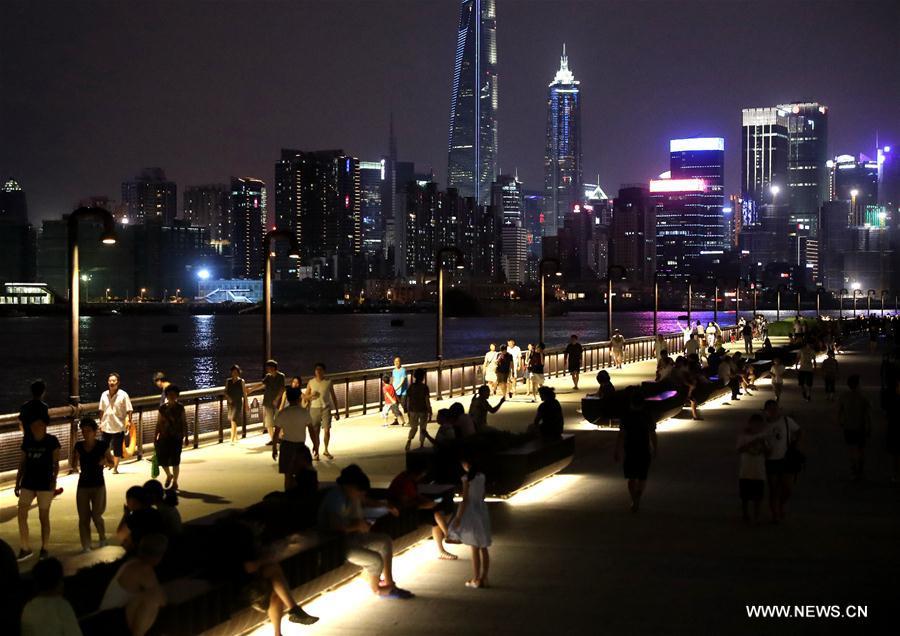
{"points": [[136, 588], [489, 368], [472, 523]]}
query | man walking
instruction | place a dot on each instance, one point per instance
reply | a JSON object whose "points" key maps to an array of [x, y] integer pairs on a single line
{"points": [[855, 419], [617, 344], [34, 409], [572, 358], [273, 382], [115, 417], [515, 369], [400, 382], [323, 403], [783, 433]]}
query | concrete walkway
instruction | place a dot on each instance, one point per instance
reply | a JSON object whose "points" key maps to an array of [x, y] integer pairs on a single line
{"points": [[568, 557]]}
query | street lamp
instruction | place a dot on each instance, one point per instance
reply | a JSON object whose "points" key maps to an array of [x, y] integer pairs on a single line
{"points": [[268, 253], [107, 238], [843, 292], [86, 278], [853, 194], [798, 301], [542, 274], [778, 302], [656, 277], [439, 270], [690, 279], [869, 295], [856, 290], [107, 294], [609, 296], [818, 302], [884, 293]]}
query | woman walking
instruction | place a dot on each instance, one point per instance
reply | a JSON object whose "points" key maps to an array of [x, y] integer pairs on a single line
{"points": [[171, 429], [489, 368], [536, 371], [91, 456], [419, 402], [472, 523], [236, 398]]}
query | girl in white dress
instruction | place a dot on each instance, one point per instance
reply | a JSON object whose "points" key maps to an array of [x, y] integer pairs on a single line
{"points": [[472, 525], [489, 368]]}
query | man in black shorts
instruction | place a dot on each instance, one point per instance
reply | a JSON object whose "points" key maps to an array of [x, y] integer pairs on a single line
{"points": [[636, 446], [34, 409], [572, 357]]}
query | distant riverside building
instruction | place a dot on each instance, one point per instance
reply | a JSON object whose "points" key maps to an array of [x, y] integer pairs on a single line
{"points": [[703, 158], [318, 198], [859, 175], [218, 290], [582, 244], [150, 196], [888, 159], [168, 257], [680, 208], [371, 179], [514, 253], [533, 212], [472, 160], [807, 178], [632, 235], [507, 195], [13, 206], [765, 149], [209, 206], [562, 150], [248, 208], [116, 208]]}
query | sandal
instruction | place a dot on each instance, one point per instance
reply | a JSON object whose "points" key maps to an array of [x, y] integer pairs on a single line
{"points": [[446, 556], [328, 455]]}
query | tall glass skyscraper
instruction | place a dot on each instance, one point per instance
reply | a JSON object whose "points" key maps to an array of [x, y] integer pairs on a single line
{"points": [[472, 163], [765, 150], [562, 156], [703, 158], [807, 154]]}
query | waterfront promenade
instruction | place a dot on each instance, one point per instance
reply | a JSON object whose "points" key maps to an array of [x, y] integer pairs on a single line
{"points": [[569, 558]]}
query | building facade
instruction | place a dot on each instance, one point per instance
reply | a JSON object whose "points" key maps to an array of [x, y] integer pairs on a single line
{"points": [[563, 180], [472, 160], [209, 206], [765, 150], [150, 196], [249, 226], [704, 158], [807, 180], [632, 235]]}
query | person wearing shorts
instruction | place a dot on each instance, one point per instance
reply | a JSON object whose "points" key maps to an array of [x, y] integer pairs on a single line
{"points": [[236, 397], [572, 357], [273, 392], [854, 417], [635, 447], [323, 402], [36, 479], [115, 418], [806, 364], [515, 368]]}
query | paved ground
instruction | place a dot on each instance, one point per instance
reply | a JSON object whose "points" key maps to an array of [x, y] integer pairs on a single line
{"points": [[568, 557]]}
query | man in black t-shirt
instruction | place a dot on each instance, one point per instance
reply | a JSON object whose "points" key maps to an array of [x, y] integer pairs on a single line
{"points": [[573, 359], [34, 409], [38, 469], [636, 446]]}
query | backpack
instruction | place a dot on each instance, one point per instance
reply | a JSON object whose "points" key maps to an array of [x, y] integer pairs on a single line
{"points": [[504, 361]]}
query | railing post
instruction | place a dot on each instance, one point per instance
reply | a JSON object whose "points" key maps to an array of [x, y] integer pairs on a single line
{"points": [[139, 446], [346, 398], [196, 423], [221, 428], [365, 406]]}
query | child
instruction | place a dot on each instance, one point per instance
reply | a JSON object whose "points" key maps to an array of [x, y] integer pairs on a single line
{"points": [[777, 372], [48, 612], [391, 402], [472, 524], [751, 445], [829, 373]]}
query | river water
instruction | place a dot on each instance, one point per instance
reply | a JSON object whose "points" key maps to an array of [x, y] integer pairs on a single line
{"points": [[202, 349]]}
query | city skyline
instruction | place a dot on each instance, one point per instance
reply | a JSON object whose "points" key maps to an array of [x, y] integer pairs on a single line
{"points": [[198, 138]]}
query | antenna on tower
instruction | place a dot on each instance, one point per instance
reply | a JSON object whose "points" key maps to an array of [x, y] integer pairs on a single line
{"points": [[392, 140]]}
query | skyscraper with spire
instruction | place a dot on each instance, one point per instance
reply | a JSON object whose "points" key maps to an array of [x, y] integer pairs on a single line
{"points": [[472, 161], [562, 157]]}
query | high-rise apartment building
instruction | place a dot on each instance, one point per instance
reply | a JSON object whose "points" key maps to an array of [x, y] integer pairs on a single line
{"points": [[507, 194], [209, 206], [13, 206], [703, 158], [563, 183], [248, 206], [472, 161], [318, 198], [150, 196], [371, 180]]}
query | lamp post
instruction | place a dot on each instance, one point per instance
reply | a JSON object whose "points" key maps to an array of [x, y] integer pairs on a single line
{"points": [[755, 292], [869, 294], [798, 302], [107, 238], [842, 293], [778, 302], [883, 294], [818, 302], [439, 270], [737, 301], [855, 292], [543, 262], [107, 294], [716, 303], [268, 253], [853, 194], [143, 291], [609, 296], [86, 279], [656, 277]]}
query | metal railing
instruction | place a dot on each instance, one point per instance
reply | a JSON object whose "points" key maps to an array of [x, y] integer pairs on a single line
{"points": [[357, 392]]}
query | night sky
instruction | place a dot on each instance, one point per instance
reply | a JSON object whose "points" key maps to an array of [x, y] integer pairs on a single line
{"points": [[91, 92]]}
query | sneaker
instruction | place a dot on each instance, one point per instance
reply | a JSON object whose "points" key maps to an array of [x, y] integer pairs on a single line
{"points": [[297, 615], [24, 554], [43, 554]]}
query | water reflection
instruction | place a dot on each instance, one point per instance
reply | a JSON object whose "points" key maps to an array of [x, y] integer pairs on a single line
{"points": [[203, 341]]}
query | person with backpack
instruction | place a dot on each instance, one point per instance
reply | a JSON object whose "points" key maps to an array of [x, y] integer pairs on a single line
{"points": [[504, 368], [536, 371]]}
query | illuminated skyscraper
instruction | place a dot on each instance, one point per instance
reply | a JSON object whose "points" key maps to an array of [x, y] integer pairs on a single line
{"points": [[209, 206], [150, 196], [248, 204], [765, 150], [472, 163], [703, 158], [562, 156], [807, 178], [680, 208]]}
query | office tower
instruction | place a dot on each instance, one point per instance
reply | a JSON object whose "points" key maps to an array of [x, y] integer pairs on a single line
{"points": [[249, 226], [807, 180], [736, 217], [632, 234], [765, 149], [562, 150], [507, 194], [472, 161], [167, 257], [582, 245], [150, 196], [209, 206], [703, 158], [533, 209], [680, 206], [514, 253], [13, 206], [855, 179], [889, 182], [371, 178], [317, 197]]}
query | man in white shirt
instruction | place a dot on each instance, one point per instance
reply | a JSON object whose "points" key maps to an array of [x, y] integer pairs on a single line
{"points": [[290, 438], [323, 402], [514, 370], [115, 417], [782, 433]]}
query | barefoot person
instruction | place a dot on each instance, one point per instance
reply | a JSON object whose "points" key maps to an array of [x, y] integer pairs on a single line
{"points": [[115, 417], [36, 479], [171, 433], [472, 523], [236, 398], [636, 446], [322, 406], [91, 456]]}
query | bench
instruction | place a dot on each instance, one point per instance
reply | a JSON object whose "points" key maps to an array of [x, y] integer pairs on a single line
{"points": [[660, 399]]}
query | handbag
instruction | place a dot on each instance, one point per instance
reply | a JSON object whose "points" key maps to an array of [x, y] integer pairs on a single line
{"points": [[794, 460], [154, 467], [129, 448]]}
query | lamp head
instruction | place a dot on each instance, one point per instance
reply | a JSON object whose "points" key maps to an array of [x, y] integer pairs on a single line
{"points": [[108, 238], [854, 192]]}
